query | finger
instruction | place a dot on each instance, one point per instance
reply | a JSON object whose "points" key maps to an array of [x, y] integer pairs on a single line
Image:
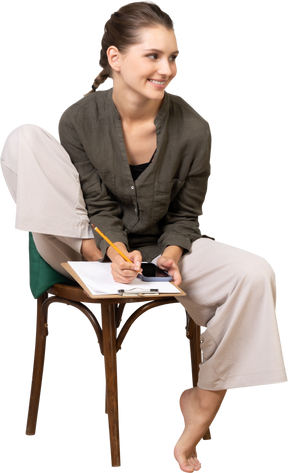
{"points": [[166, 264], [123, 269], [136, 257], [177, 279], [125, 276], [123, 279], [122, 265]]}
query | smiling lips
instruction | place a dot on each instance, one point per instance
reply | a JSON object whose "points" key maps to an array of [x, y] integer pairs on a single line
{"points": [[157, 83]]}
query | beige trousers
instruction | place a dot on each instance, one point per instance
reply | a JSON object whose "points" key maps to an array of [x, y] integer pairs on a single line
{"points": [[45, 185], [229, 291]]}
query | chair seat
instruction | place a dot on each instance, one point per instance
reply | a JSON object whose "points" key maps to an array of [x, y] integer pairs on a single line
{"points": [[74, 292], [42, 275]]}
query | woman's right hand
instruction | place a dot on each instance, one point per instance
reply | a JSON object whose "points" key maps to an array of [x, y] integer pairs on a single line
{"points": [[121, 270]]}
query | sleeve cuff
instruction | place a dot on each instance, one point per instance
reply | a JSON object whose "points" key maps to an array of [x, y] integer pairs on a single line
{"points": [[103, 245], [176, 239]]}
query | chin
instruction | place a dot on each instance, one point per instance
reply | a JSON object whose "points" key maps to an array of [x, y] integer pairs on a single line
{"points": [[156, 95]]}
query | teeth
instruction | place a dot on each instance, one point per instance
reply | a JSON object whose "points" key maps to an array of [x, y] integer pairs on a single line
{"points": [[157, 82]]}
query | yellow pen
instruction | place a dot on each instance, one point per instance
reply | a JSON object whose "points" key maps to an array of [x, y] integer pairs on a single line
{"points": [[111, 244]]}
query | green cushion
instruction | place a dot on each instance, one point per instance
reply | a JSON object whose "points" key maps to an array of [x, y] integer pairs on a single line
{"points": [[42, 275]]}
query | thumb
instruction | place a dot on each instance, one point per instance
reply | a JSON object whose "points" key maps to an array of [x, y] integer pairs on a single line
{"points": [[167, 263]]}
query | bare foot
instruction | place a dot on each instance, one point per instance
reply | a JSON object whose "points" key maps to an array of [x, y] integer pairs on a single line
{"points": [[185, 449], [199, 408]]}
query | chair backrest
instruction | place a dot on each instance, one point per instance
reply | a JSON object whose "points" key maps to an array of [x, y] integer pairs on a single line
{"points": [[42, 275]]}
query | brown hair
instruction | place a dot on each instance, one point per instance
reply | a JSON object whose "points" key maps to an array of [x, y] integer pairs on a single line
{"points": [[123, 30]]}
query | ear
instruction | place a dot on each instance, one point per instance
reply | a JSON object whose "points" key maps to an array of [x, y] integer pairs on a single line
{"points": [[113, 56]]}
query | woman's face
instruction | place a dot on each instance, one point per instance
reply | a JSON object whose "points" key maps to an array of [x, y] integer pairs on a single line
{"points": [[149, 66]]}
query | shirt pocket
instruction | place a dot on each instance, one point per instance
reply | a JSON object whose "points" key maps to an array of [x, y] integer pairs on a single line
{"points": [[164, 193]]}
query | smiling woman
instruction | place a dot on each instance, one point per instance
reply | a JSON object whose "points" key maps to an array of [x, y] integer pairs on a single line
{"points": [[122, 27], [142, 75], [135, 162], [160, 200]]}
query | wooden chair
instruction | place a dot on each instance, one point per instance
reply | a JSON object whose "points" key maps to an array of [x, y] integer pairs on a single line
{"points": [[67, 292]]}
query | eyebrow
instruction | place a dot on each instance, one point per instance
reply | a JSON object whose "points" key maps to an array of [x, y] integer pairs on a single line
{"points": [[158, 51]]}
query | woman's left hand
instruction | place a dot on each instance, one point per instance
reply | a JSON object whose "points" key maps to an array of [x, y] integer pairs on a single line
{"points": [[169, 265]]}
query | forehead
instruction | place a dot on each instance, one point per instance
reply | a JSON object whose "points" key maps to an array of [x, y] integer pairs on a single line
{"points": [[157, 37]]}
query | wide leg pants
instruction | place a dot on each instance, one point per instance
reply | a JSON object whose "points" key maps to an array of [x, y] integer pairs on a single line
{"points": [[229, 291]]}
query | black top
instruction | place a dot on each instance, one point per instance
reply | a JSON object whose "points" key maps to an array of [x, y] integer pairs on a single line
{"points": [[137, 169]]}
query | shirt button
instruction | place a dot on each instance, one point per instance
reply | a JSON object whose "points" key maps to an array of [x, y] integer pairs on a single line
{"points": [[132, 187], [135, 210]]}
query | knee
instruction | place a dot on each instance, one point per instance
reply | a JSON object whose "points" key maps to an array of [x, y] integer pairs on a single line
{"points": [[14, 142], [33, 128], [23, 131], [258, 272], [29, 129]]}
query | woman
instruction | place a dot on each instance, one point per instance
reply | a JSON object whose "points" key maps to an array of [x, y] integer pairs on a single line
{"points": [[142, 159]]}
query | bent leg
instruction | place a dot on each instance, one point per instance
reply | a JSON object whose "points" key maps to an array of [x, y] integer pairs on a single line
{"points": [[232, 293], [46, 188], [56, 250], [44, 184]]}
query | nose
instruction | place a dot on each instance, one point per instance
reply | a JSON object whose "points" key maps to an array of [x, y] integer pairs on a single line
{"points": [[166, 68]]}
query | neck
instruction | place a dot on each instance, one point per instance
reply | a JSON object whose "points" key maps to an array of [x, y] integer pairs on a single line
{"points": [[132, 107]]}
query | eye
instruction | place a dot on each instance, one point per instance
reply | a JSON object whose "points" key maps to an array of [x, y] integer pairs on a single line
{"points": [[173, 58], [155, 56]]}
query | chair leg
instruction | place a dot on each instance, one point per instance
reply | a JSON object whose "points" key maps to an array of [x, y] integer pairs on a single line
{"points": [[109, 348], [39, 357], [194, 355]]}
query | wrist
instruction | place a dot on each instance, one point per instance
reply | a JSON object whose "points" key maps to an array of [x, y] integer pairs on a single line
{"points": [[174, 252], [90, 251], [111, 252]]}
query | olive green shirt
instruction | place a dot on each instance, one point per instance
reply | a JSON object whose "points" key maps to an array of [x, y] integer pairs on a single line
{"points": [[162, 206]]}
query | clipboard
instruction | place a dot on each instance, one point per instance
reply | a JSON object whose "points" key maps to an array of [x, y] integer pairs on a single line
{"points": [[150, 295]]}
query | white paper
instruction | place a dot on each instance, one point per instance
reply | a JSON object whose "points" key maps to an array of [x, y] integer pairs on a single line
{"points": [[98, 278]]}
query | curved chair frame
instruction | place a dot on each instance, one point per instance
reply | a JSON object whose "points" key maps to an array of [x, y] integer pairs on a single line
{"points": [[109, 343]]}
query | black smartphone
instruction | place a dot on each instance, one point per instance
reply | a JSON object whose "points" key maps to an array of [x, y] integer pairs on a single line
{"points": [[152, 273]]}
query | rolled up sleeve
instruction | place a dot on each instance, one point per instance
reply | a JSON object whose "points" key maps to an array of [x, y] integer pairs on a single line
{"points": [[180, 226]]}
